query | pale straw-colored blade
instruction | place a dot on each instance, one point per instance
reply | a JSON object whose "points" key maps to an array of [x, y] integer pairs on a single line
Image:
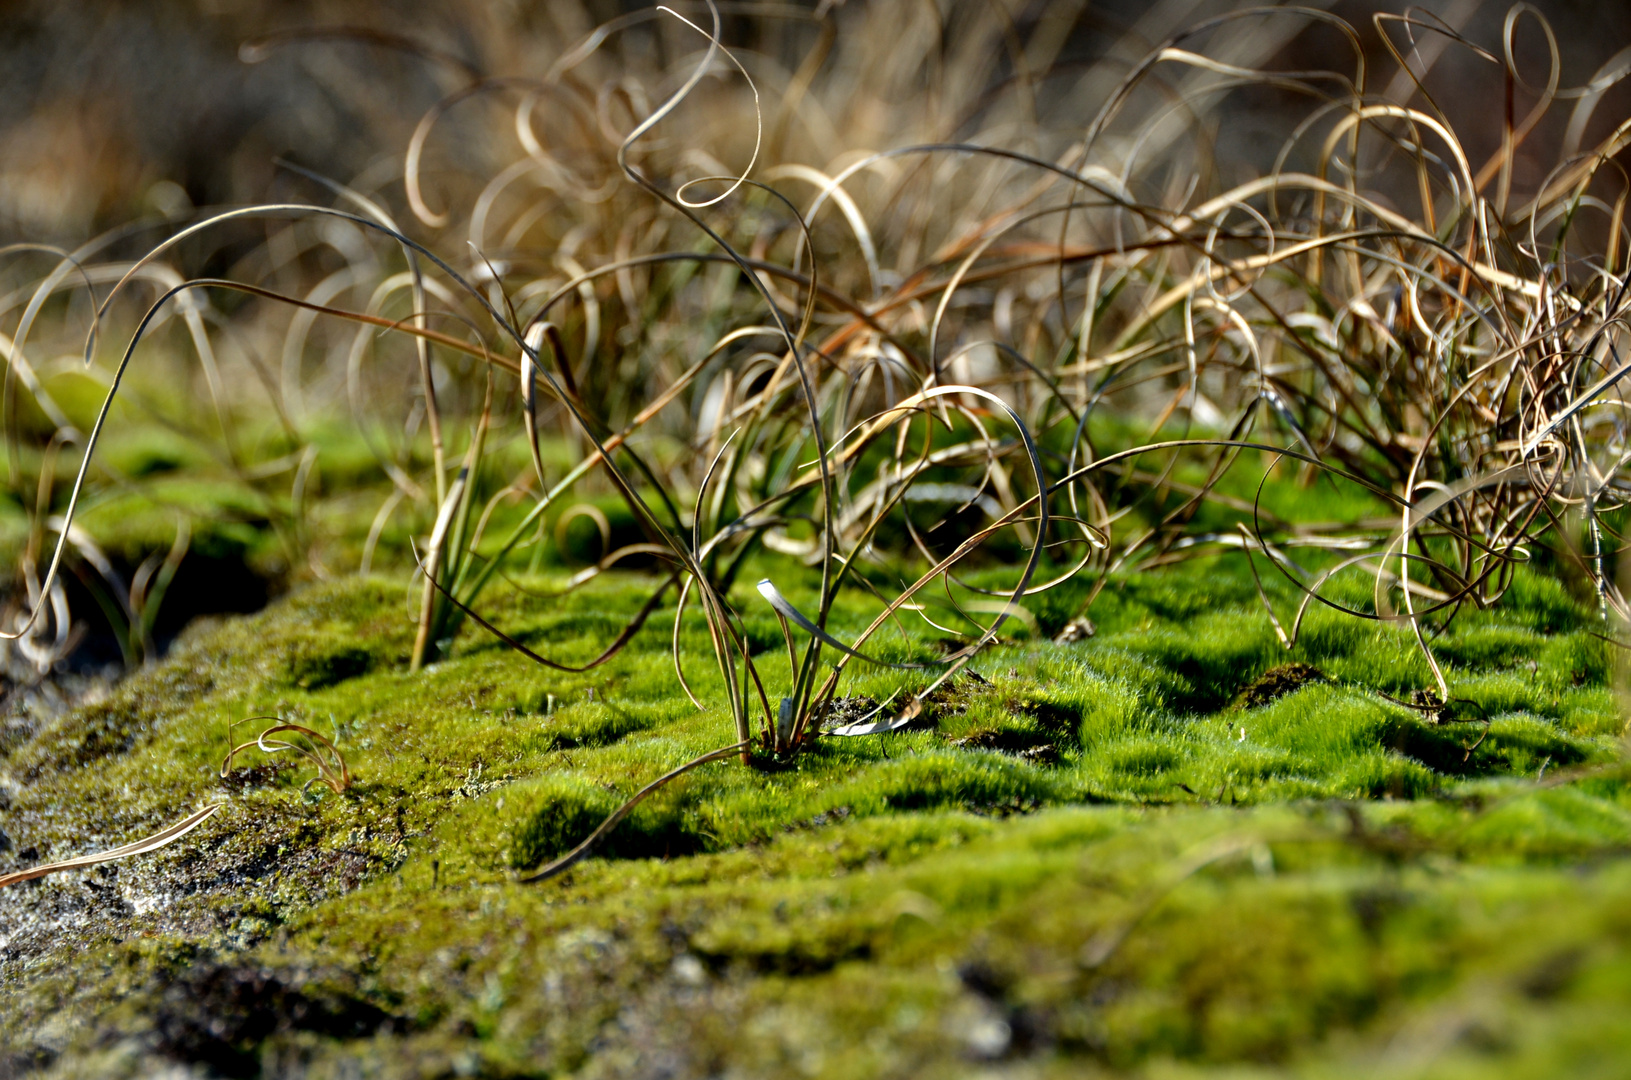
{"points": [[138, 847]]}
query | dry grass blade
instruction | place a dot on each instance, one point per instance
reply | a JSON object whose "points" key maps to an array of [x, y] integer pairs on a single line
{"points": [[1104, 944], [594, 840], [633, 627], [124, 851], [332, 771]]}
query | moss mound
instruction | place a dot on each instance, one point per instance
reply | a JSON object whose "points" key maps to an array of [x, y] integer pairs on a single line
{"points": [[1221, 862]]}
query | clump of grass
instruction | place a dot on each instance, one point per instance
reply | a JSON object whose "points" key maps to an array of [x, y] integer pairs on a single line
{"points": [[317, 749], [970, 374]]}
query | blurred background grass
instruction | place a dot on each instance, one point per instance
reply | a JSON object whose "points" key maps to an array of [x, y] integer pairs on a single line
{"points": [[110, 111]]}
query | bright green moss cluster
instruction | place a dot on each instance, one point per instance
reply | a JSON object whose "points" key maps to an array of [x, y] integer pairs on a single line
{"points": [[1093, 856]]}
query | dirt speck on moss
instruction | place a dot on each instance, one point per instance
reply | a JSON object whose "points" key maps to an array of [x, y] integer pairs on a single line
{"points": [[1276, 682]]}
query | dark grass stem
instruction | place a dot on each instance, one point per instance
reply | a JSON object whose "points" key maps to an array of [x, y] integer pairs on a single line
{"points": [[935, 350]]}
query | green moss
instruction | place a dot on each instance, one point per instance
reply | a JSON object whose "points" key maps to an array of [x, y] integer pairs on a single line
{"points": [[1092, 858]]}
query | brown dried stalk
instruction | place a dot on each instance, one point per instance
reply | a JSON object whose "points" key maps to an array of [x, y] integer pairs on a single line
{"points": [[139, 847], [332, 771]]}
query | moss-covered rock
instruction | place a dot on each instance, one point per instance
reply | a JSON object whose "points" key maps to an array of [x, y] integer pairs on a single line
{"points": [[1323, 883]]}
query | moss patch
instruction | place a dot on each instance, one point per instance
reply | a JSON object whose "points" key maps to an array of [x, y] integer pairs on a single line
{"points": [[1090, 860]]}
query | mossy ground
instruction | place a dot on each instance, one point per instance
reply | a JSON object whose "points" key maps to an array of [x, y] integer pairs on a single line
{"points": [[1098, 856]]}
